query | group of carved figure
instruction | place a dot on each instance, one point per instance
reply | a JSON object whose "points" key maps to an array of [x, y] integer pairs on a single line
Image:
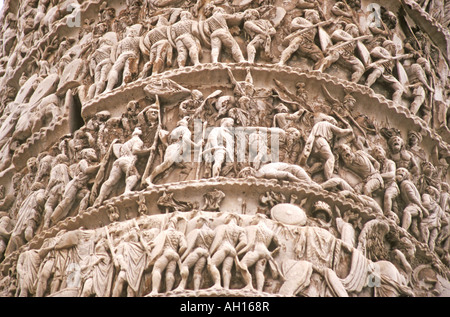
{"points": [[184, 251], [315, 149], [121, 48]]}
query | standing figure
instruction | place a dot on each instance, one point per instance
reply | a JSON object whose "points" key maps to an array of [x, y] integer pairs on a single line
{"points": [[156, 45], [59, 178], [77, 187], [383, 68], [391, 190], [100, 63], [197, 253], [414, 210], [321, 141], [260, 31], [98, 272], [220, 146], [125, 56], [216, 27], [187, 44], [165, 256], [177, 151], [230, 238], [344, 49], [125, 164], [418, 82], [257, 254]]}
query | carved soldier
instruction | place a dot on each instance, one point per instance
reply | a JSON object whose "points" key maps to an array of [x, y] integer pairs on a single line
{"points": [[77, 187], [125, 56], [431, 225], [304, 42], [216, 28], [177, 151], [165, 256], [130, 259], [59, 178], [100, 63], [186, 43], [387, 171], [281, 172], [257, 254], [229, 239], [321, 141], [27, 272], [260, 32], [199, 241], [383, 68], [344, 48], [219, 147], [156, 45], [98, 271], [414, 210], [418, 82], [124, 165], [401, 156], [362, 164]]}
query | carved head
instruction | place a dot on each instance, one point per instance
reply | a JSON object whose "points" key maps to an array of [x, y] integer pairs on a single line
{"points": [[414, 138], [312, 16], [427, 168], [183, 122], [137, 132], [390, 46], [226, 122], [251, 14], [196, 94], [186, 15], [396, 144], [349, 101], [346, 153], [352, 29], [247, 172], [281, 108], [321, 210], [433, 192], [32, 165], [61, 159], [89, 154], [378, 153], [402, 174]]}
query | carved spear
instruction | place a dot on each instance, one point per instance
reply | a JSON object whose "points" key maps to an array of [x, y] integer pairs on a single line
{"points": [[153, 147]]}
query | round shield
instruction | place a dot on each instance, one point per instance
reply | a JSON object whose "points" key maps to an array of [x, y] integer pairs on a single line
{"points": [[289, 214]]}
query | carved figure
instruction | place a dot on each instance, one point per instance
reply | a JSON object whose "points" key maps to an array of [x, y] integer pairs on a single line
{"points": [[156, 45], [230, 238], [216, 28], [321, 141], [77, 187], [125, 56], [219, 146], [362, 164], [260, 31], [59, 178], [303, 33], [177, 151], [186, 43], [124, 165], [197, 254], [414, 210], [165, 255], [256, 253]]}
